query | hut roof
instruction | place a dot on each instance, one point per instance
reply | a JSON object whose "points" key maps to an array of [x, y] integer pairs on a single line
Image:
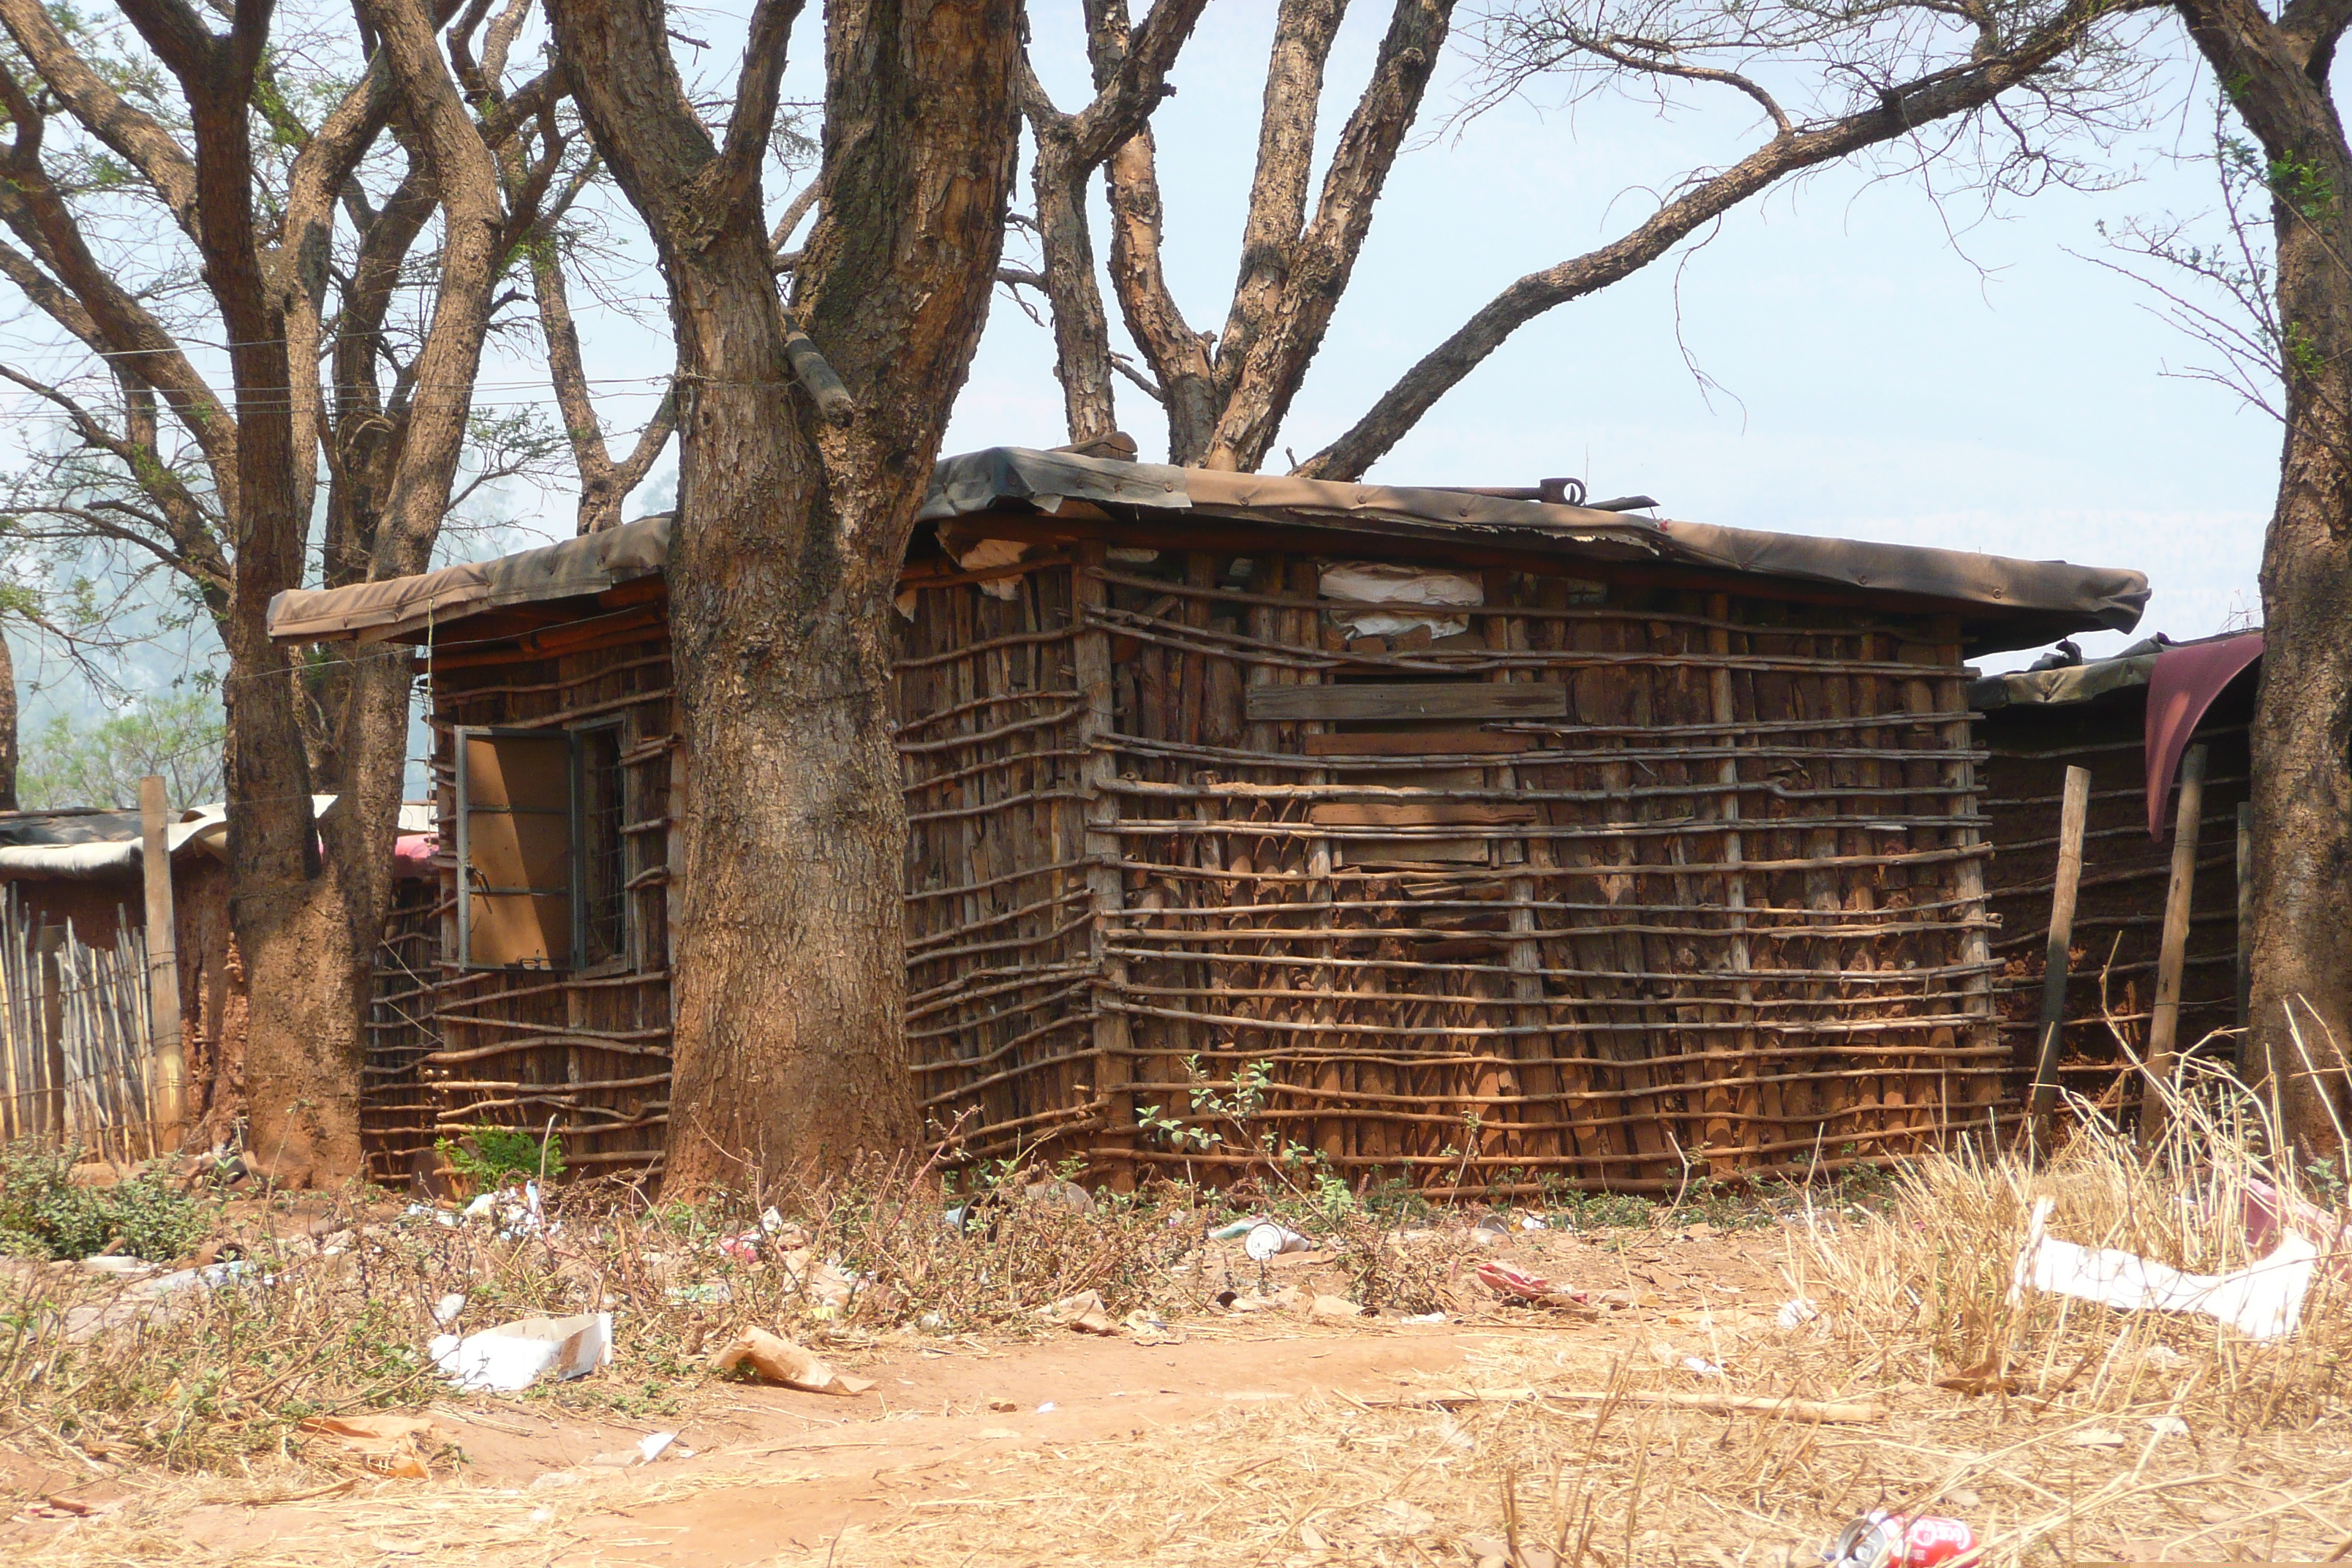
{"points": [[82, 841], [2004, 603]]}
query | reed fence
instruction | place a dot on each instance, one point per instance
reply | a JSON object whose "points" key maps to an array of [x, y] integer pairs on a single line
{"points": [[74, 1046]]}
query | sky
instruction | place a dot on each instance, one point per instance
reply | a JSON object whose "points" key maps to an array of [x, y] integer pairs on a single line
{"points": [[1847, 357]]}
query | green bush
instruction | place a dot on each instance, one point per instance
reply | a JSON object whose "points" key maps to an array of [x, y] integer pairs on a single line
{"points": [[493, 1157], [44, 1213]]}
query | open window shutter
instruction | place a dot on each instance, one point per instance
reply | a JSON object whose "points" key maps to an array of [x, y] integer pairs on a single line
{"points": [[514, 847]]}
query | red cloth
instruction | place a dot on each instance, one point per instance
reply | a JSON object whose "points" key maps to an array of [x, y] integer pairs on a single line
{"points": [[2184, 683], [412, 853]]}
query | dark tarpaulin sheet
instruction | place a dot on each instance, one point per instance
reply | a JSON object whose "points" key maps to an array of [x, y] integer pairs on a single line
{"points": [[2003, 604], [58, 829], [2186, 680], [2065, 684]]}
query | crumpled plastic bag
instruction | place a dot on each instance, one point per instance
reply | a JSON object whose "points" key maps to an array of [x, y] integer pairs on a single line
{"points": [[779, 1359], [513, 1356], [2263, 1300], [392, 1446], [1084, 1311]]}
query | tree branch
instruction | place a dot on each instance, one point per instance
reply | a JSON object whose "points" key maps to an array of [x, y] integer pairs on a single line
{"points": [[1264, 367], [1303, 34], [145, 145], [195, 549], [473, 221], [1902, 109], [756, 92], [1137, 85]]}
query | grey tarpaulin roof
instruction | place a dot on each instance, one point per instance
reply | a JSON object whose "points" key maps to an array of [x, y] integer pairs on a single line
{"points": [[2067, 683], [107, 843], [377, 611], [2014, 604], [96, 843]]}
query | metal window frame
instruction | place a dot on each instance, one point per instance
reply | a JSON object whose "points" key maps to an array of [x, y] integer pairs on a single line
{"points": [[616, 725], [466, 889]]}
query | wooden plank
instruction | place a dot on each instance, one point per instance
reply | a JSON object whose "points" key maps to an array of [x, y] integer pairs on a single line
{"points": [[1725, 1157], [1434, 699], [167, 1065], [2074, 813], [1420, 744], [2164, 1024], [2245, 935], [1113, 1046], [1416, 814]]}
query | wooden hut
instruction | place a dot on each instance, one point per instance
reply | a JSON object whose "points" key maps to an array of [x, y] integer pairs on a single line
{"points": [[1471, 839], [2095, 715], [75, 1052]]}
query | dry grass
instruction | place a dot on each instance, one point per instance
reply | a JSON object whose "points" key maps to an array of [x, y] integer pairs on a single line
{"points": [[2099, 1434], [338, 1303]]}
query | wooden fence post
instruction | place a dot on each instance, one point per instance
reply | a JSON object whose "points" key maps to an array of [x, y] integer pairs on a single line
{"points": [[168, 1065], [53, 1032], [2072, 814], [1114, 1050], [2245, 933], [2164, 1021]]}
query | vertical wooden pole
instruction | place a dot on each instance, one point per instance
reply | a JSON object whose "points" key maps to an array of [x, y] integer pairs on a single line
{"points": [[2072, 814], [2245, 933], [53, 1034], [1113, 1048], [1729, 1141], [167, 1063], [2164, 1024]]}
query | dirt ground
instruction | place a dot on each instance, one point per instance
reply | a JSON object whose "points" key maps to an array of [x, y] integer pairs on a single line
{"points": [[1271, 1437]]}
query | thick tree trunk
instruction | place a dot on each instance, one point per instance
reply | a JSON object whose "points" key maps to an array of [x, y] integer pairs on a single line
{"points": [[790, 971], [8, 754], [2302, 939], [302, 1042], [2276, 73]]}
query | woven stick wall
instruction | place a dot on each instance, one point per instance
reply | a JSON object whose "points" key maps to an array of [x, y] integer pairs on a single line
{"points": [[1617, 887], [2119, 914], [397, 1103], [588, 1047]]}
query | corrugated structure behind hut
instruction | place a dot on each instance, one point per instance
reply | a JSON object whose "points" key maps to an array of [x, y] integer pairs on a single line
{"points": [[1463, 838], [2037, 724]]}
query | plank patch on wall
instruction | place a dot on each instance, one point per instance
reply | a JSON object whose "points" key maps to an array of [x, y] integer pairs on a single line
{"points": [[1451, 700]]}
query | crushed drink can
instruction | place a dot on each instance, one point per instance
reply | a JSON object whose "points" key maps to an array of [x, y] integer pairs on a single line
{"points": [[1883, 1540]]}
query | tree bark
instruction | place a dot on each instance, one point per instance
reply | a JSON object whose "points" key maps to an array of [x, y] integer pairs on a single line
{"points": [[1287, 316], [1130, 75], [2277, 77], [8, 740], [790, 979]]}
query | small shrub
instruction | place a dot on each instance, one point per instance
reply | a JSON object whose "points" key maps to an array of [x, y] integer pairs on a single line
{"points": [[493, 1157], [1604, 1210], [44, 1213]]}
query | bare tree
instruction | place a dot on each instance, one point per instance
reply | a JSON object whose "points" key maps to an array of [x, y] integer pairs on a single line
{"points": [[808, 433], [216, 482], [1070, 148], [605, 481], [1996, 88], [1224, 396]]}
